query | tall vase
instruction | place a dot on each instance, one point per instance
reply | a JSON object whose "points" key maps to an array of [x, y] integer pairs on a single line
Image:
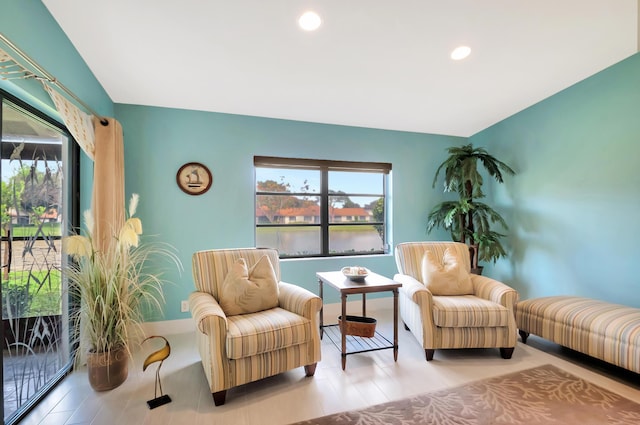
{"points": [[107, 370]]}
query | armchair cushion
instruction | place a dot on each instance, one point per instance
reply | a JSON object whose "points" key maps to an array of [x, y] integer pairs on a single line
{"points": [[265, 331], [468, 311], [447, 276], [249, 291], [483, 318], [244, 348]]}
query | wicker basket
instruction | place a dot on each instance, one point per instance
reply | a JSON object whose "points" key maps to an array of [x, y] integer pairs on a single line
{"points": [[359, 326]]}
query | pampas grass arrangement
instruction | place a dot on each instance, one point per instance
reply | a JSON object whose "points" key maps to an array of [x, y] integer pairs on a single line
{"points": [[112, 287]]}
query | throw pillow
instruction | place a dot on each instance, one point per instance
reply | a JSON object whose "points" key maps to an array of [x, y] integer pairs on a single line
{"points": [[248, 291], [446, 277]]}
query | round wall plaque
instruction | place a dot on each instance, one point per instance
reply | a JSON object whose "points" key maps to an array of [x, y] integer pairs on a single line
{"points": [[194, 178]]}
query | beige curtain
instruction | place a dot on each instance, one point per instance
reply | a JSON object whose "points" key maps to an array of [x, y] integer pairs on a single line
{"points": [[79, 123], [108, 182], [10, 69], [104, 145]]}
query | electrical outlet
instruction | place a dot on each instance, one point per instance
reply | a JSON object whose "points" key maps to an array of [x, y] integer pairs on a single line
{"points": [[184, 306]]}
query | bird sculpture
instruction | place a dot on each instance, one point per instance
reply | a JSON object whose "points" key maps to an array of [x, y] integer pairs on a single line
{"points": [[157, 356]]}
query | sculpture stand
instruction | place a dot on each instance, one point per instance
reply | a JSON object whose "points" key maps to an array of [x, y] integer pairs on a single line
{"points": [[164, 398], [159, 401], [158, 356]]}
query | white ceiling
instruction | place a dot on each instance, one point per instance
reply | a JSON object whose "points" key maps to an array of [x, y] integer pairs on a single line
{"points": [[373, 63]]}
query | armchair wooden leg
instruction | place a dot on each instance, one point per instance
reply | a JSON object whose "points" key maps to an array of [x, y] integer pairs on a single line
{"points": [[310, 369], [429, 354], [524, 335], [219, 397], [506, 353]]}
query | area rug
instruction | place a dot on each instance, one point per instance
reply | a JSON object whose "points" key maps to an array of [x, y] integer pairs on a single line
{"points": [[542, 395]]}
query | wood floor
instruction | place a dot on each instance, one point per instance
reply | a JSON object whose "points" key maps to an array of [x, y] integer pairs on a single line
{"points": [[369, 378]]}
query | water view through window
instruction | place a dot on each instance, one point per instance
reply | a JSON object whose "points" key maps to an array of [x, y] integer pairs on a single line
{"points": [[321, 210]]}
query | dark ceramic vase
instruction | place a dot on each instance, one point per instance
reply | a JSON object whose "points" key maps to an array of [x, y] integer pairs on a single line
{"points": [[107, 370]]}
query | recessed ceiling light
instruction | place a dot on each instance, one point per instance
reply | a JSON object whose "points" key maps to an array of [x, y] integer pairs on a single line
{"points": [[460, 53], [309, 21]]}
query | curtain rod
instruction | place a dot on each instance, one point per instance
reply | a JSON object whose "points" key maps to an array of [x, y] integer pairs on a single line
{"points": [[44, 75]]}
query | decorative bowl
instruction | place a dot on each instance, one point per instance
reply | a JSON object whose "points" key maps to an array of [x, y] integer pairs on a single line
{"points": [[355, 272]]}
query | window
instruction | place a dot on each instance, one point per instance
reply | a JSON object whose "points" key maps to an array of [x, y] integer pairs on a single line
{"points": [[315, 208]]}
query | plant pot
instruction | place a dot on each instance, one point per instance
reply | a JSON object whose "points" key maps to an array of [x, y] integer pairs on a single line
{"points": [[107, 370], [477, 270]]}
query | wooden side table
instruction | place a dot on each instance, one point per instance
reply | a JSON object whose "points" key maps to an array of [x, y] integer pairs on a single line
{"points": [[372, 283]]}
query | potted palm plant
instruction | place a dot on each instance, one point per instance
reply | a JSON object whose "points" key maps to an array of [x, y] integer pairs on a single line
{"points": [[111, 288], [468, 219]]}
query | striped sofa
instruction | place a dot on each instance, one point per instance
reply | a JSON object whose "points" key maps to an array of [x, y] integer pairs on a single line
{"points": [[606, 331], [247, 347], [484, 319]]}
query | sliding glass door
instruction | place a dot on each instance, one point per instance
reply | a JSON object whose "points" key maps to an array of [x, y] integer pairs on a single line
{"points": [[36, 212]]}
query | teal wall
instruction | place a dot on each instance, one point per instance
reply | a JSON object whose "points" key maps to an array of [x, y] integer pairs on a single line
{"points": [[159, 140], [29, 25], [574, 206]]}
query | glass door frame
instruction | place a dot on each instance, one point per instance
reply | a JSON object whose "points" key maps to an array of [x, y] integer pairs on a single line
{"points": [[71, 201]]}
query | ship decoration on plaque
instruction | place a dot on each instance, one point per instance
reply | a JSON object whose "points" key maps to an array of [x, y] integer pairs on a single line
{"points": [[194, 178]]}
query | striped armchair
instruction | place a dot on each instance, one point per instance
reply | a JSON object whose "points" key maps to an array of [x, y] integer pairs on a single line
{"points": [[484, 319], [247, 347]]}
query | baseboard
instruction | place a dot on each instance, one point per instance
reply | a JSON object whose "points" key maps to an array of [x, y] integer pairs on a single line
{"points": [[169, 327], [330, 313]]}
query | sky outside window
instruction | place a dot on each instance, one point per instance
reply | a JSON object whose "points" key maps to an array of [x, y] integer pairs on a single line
{"points": [[308, 181]]}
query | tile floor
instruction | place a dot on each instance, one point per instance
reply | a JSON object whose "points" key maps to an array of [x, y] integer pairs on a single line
{"points": [[369, 378]]}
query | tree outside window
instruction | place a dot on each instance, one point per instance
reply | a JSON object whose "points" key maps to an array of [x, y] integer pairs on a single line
{"points": [[320, 208]]}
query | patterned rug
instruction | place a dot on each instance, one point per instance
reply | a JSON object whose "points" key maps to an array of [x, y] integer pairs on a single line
{"points": [[542, 395]]}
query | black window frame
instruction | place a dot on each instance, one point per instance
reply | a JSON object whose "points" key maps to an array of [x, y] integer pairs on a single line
{"points": [[325, 167], [73, 223], [73, 166]]}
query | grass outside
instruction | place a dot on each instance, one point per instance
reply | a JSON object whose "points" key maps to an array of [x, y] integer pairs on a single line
{"points": [[49, 229], [35, 294], [346, 229], [342, 228]]}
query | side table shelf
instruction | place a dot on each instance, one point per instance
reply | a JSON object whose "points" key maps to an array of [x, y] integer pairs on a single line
{"points": [[356, 344], [350, 344]]}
